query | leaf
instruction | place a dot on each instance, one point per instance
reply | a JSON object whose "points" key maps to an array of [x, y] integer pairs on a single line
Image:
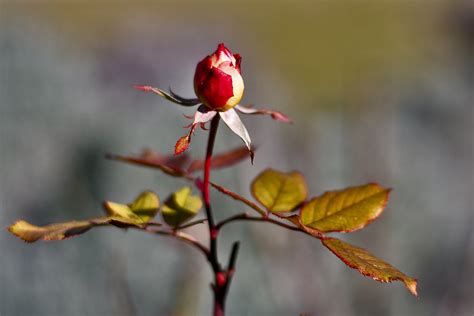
{"points": [[345, 210], [279, 191], [368, 264], [182, 144], [141, 210], [59, 231], [170, 165], [221, 160], [276, 115], [146, 206], [180, 207], [170, 97], [171, 161], [121, 210], [232, 120]]}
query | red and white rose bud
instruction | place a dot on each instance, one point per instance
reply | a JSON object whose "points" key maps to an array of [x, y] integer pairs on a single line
{"points": [[219, 87], [218, 82]]}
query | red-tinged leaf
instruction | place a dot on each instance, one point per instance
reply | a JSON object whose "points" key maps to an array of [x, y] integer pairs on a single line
{"points": [[367, 264], [182, 144], [222, 160], [238, 197], [165, 164], [279, 191], [170, 97], [172, 161], [59, 231], [345, 210], [276, 115]]}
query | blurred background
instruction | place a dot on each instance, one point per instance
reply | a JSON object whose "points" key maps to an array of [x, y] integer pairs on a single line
{"points": [[379, 90]]}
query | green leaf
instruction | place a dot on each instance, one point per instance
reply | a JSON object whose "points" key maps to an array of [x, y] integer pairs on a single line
{"points": [[146, 206], [180, 207], [368, 264], [141, 210], [345, 210], [278, 191], [121, 210], [31, 233]]}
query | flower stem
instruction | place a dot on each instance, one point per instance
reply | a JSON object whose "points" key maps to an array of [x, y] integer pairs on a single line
{"points": [[206, 196], [221, 277], [247, 217]]}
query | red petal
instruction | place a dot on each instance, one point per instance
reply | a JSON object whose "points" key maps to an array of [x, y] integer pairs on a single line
{"points": [[202, 71], [216, 89], [238, 61]]}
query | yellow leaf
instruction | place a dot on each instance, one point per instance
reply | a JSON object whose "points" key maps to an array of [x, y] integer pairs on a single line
{"points": [[279, 191], [120, 210], [146, 205], [141, 210], [368, 264], [180, 207], [345, 210], [31, 233]]}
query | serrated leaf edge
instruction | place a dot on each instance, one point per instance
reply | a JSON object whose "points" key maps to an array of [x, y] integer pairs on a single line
{"points": [[410, 283], [377, 215]]}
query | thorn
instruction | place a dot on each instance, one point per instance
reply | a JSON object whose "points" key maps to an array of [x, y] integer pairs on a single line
{"points": [[199, 184]]}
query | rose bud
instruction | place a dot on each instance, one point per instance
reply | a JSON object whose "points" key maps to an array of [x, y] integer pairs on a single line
{"points": [[218, 82]]}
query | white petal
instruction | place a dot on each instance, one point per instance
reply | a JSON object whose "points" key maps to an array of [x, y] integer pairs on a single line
{"points": [[203, 115], [232, 120]]}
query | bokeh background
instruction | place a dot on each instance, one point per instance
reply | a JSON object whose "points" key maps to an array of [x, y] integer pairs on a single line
{"points": [[379, 90]]}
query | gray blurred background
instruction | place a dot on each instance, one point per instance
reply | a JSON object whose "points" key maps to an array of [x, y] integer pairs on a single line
{"points": [[379, 91]]}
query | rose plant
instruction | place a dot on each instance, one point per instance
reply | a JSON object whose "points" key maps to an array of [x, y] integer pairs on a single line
{"points": [[282, 196]]}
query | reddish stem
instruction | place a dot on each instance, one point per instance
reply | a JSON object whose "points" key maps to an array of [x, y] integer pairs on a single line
{"points": [[247, 217], [206, 196], [221, 277]]}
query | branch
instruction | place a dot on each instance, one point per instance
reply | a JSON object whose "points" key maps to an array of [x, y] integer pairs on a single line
{"points": [[190, 224], [240, 198], [247, 217], [183, 237], [176, 172], [231, 266]]}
